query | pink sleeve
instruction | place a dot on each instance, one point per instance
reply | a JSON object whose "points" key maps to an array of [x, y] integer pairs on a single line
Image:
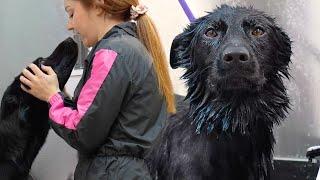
{"points": [[70, 118]]}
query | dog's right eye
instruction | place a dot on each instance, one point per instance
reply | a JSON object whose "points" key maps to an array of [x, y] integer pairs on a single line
{"points": [[211, 33], [257, 32]]}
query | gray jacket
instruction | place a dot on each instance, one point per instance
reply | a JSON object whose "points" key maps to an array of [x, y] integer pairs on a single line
{"points": [[117, 114]]}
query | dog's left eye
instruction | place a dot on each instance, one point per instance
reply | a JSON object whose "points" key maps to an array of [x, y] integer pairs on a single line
{"points": [[257, 32], [211, 33]]}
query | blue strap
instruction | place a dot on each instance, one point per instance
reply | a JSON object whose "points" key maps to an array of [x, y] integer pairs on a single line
{"points": [[187, 10]]}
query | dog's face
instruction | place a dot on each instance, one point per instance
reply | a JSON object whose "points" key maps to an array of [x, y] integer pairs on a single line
{"points": [[62, 60], [232, 49]]}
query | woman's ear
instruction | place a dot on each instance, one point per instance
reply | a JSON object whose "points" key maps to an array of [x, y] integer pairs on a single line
{"points": [[97, 5]]}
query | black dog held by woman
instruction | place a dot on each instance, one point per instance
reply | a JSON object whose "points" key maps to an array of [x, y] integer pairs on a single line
{"points": [[235, 59], [24, 121]]}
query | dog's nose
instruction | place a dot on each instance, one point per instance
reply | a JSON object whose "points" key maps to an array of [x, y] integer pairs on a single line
{"points": [[235, 54]]}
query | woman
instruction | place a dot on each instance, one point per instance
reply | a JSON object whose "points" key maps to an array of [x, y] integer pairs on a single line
{"points": [[123, 97]]}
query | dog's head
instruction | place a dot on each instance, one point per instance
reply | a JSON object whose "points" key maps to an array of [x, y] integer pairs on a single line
{"points": [[62, 60], [232, 49], [235, 58]]}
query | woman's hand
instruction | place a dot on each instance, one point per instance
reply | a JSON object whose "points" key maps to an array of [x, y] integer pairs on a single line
{"points": [[42, 86]]}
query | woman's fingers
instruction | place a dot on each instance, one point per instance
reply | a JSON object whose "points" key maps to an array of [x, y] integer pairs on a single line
{"points": [[25, 81], [26, 73], [24, 88], [41, 85], [48, 69], [35, 69]]}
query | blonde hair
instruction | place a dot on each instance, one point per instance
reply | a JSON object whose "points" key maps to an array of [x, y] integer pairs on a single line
{"points": [[148, 35]]}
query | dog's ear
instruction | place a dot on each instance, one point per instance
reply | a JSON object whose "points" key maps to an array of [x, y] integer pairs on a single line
{"points": [[284, 52], [179, 54], [182, 45], [38, 61]]}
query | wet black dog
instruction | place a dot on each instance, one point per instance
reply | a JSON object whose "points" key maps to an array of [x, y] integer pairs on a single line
{"points": [[235, 59], [24, 121]]}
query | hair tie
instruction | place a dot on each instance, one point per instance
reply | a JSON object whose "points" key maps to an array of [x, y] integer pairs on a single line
{"points": [[136, 11]]}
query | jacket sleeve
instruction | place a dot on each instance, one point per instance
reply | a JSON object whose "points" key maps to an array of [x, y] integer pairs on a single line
{"points": [[86, 126]]}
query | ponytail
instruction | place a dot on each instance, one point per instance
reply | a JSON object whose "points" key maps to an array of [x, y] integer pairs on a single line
{"points": [[148, 35]]}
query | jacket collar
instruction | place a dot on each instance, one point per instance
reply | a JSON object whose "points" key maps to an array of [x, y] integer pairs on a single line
{"points": [[122, 28], [119, 29]]}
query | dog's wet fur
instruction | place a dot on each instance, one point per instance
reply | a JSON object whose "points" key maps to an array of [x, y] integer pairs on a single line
{"points": [[235, 60], [24, 119]]}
